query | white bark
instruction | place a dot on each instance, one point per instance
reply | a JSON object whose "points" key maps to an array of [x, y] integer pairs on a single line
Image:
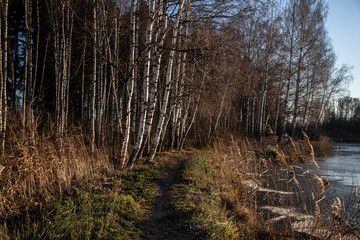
{"points": [[266, 76], [28, 64], [188, 126], [289, 73], [94, 76], [3, 75], [131, 83], [157, 56], [145, 94], [168, 80], [37, 46], [220, 111], [62, 30], [135, 97], [2, 80]]}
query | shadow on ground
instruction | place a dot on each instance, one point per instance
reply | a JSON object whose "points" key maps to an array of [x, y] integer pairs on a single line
{"points": [[166, 222]]}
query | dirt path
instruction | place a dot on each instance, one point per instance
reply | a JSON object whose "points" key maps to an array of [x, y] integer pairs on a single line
{"points": [[165, 221]]}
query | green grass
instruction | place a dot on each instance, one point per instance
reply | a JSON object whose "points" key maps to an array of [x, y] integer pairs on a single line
{"points": [[115, 211], [94, 214], [199, 195]]}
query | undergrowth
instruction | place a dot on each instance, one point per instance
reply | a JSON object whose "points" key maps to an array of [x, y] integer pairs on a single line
{"points": [[58, 187], [237, 190], [104, 207], [202, 194]]}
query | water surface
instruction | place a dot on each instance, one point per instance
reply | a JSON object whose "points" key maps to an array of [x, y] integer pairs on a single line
{"points": [[342, 169]]}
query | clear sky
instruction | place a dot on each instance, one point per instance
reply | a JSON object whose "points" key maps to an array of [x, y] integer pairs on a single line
{"points": [[343, 25]]}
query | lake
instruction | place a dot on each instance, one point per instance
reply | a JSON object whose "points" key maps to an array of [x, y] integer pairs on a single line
{"points": [[342, 169]]}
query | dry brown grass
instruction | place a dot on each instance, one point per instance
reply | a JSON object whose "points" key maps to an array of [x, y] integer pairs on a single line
{"points": [[323, 147], [39, 167], [234, 162], [242, 169]]}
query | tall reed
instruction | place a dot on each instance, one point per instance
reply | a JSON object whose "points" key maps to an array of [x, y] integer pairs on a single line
{"points": [[288, 198], [38, 167]]}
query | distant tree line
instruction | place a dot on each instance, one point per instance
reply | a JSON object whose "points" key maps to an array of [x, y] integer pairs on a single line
{"points": [[143, 75], [343, 119]]}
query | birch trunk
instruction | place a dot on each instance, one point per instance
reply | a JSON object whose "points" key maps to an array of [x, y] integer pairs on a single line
{"points": [[341, 76], [220, 112], [37, 46], [43, 69], [177, 106], [57, 54], [83, 57], [183, 104], [306, 103], [188, 126], [2, 78], [182, 107], [157, 56], [67, 67], [6, 49], [266, 76], [297, 90], [145, 87], [3, 74], [94, 77], [168, 80], [278, 107], [135, 93], [131, 83], [289, 76], [28, 64]]}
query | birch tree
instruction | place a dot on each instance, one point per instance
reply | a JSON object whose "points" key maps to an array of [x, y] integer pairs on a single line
{"points": [[159, 38], [168, 79], [3, 70], [145, 87], [94, 74], [131, 83], [62, 24], [28, 70]]}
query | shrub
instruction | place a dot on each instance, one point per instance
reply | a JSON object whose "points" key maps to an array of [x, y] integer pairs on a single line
{"points": [[323, 147]]}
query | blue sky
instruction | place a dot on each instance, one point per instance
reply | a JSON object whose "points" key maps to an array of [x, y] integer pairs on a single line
{"points": [[343, 25]]}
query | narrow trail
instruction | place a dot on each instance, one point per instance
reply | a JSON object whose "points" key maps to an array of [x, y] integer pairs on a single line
{"points": [[165, 221]]}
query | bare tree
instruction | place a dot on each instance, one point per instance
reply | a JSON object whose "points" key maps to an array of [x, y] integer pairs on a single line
{"points": [[145, 87], [3, 70], [131, 83], [163, 111]]}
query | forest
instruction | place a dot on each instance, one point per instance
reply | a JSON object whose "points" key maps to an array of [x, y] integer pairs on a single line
{"points": [[102, 90], [140, 76]]}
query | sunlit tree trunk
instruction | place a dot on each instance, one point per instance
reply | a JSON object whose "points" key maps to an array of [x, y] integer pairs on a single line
{"points": [[168, 80], [131, 83], [157, 56], [176, 101], [28, 74], [297, 87], [145, 87], [265, 86], [37, 47], [3, 71], [134, 103]]}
